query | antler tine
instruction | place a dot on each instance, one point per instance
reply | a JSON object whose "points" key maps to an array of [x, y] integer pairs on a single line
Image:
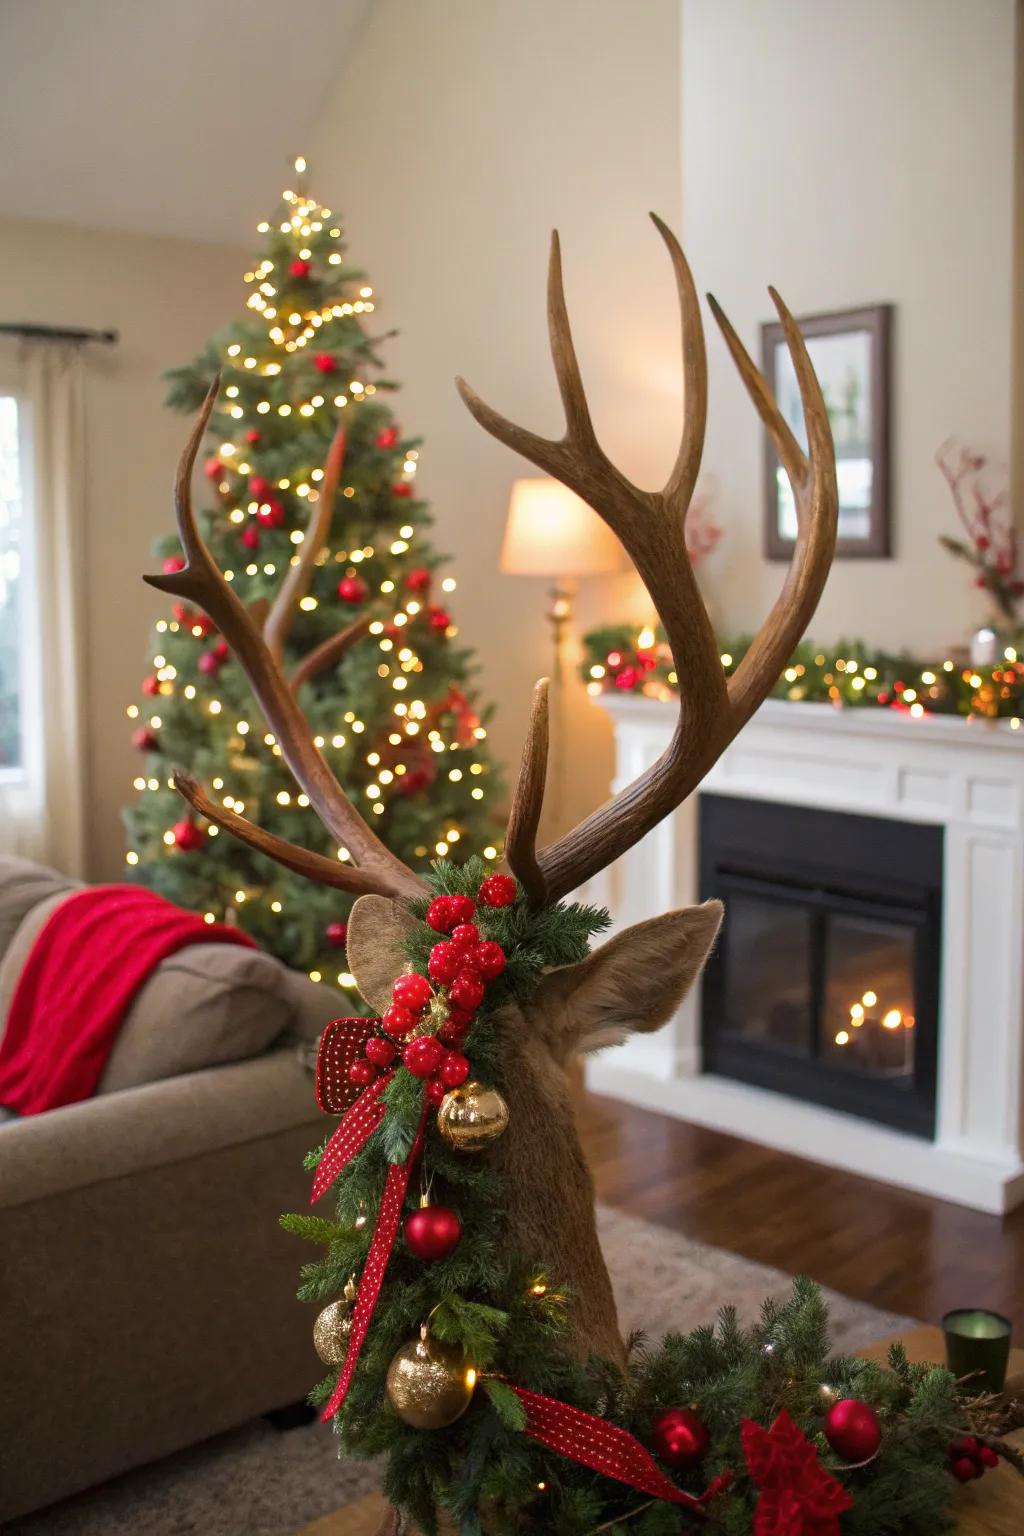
{"points": [[528, 800], [298, 577], [202, 582], [816, 497], [330, 651], [679, 486], [345, 877]]}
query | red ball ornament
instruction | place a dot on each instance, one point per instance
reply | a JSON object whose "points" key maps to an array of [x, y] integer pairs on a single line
{"points": [[462, 908], [188, 836], [489, 959], [422, 1056], [418, 580], [299, 268], [403, 488], [253, 436], [213, 469], [151, 685], [435, 1091], [325, 362], [432, 1233], [222, 650], [454, 1069], [467, 991], [259, 487], [352, 589], [439, 914], [388, 438], [381, 1052], [143, 740], [413, 992], [439, 619], [271, 513], [498, 891], [680, 1437], [628, 678], [362, 1071], [336, 934], [852, 1429], [209, 663], [444, 963], [398, 1020], [174, 563], [466, 935], [250, 537]]}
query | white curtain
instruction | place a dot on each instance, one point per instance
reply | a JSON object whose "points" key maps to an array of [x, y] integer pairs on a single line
{"points": [[42, 816]]}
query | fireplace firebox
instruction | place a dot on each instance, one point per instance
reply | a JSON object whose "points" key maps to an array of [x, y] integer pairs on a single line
{"points": [[825, 984]]}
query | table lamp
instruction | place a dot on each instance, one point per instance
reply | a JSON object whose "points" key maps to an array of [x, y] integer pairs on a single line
{"points": [[551, 532]]}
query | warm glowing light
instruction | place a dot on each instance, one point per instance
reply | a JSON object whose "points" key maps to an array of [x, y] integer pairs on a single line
{"points": [[869, 999], [843, 1037], [893, 1019], [645, 639]]}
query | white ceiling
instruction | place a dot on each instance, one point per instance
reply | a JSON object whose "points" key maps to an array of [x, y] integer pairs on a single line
{"points": [[169, 117]]}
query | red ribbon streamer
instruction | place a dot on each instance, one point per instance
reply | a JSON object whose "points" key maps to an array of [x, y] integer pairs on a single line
{"points": [[388, 1220], [351, 1135], [601, 1446]]}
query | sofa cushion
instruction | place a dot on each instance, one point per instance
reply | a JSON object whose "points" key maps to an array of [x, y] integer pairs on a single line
{"points": [[20, 946], [23, 885], [205, 1006]]}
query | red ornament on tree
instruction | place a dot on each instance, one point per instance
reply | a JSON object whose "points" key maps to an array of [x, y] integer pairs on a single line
{"points": [[209, 663], [271, 513], [498, 891], [852, 1429], [418, 580], [422, 1056], [151, 685], [337, 933], [299, 267], [250, 537], [259, 487], [213, 469], [253, 435], [143, 740], [174, 563], [680, 1437], [388, 438], [432, 1233], [440, 619], [188, 836], [325, 362], [352, 589], [402, 488]]}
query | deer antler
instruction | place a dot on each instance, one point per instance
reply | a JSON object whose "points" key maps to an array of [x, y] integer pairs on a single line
{"points": [[200, 581], [650, 526]]}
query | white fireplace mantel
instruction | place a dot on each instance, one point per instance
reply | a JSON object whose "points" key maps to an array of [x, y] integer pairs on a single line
{"points": [[968, 778]]}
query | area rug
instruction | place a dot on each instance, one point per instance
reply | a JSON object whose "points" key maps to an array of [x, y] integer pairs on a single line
{"points": [[259, 1482]]}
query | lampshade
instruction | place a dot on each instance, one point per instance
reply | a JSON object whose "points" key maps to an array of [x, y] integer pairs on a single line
{"points": [[551, 532]]}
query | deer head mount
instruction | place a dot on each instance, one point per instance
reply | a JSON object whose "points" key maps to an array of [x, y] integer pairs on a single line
{"points": [[636, 981]]}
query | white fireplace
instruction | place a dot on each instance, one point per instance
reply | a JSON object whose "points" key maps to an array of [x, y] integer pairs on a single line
{"points": [[965, 777]]}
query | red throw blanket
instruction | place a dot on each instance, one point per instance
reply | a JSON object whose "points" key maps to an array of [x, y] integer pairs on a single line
{"points": [[89, 960]]}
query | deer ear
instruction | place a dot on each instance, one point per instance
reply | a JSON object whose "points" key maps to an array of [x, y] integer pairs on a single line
{"points": [[377, 930], [635, 982]]}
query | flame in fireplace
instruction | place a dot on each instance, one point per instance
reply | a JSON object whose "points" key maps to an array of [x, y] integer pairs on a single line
{"points": [[868, 1011]]}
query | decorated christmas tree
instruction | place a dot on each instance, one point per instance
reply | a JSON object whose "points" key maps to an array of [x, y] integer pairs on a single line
{"points": [[313, 515]]}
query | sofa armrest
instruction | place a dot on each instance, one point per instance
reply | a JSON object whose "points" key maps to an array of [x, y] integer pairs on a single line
{"points": [[118, 1135]]}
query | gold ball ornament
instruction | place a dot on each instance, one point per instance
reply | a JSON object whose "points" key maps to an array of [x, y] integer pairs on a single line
{"points": [[333, 1326], [472, 1116], [429, 1384]]}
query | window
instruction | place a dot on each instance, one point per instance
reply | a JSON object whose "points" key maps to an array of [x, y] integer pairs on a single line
{"points": [[18, 704]]}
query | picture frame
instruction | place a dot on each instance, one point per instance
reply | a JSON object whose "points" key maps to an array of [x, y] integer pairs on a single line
{"points": [[850, 350]]}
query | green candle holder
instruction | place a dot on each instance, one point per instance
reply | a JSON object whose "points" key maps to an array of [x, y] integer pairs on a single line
{"points": [[978, 1346]]}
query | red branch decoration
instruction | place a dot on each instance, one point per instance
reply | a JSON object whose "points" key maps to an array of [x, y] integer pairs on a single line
{"points": [[798, 1497], [602, 1447]]}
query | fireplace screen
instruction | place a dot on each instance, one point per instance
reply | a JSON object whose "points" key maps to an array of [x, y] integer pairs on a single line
{"points": [[825, 984]]}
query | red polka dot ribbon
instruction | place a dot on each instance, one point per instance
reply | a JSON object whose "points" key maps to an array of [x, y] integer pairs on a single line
{"points": [[351, 1135], [388, 1219], [341, 1043], [602, 1447]]}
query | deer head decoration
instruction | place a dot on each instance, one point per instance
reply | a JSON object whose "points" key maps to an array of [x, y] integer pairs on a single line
{"points": [[636, 981]]}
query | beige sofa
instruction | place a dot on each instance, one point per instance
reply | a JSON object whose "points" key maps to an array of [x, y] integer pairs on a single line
{"points": [[147, 1294]]}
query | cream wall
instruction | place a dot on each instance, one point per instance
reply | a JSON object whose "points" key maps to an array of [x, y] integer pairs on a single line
{"points": [[860, 158], [165, 296], [458, 135]]}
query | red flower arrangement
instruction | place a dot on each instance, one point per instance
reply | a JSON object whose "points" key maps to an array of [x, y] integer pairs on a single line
{"points": [[798, 1497]]}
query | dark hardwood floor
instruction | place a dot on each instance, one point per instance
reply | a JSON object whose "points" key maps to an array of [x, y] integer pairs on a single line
{"points": [[887, 1246]]}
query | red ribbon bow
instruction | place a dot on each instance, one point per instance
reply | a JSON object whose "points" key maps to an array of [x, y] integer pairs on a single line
{"points": [[340, 1044], [798, 1497]]}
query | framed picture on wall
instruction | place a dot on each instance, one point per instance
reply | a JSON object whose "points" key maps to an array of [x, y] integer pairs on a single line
{"points": [[850, 353]]}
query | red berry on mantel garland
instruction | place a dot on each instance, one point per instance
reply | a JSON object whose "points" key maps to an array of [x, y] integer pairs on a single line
{"points": [[422, 1056], [381, 1052], [498, 891], [462, 909], [439, 915], [454, 1069], [852, 1429], [445, 962], [432, 1233], [467, 991], [412, 992], [362, 1071], [680, 1437], [489, 959], [398, 1020]]}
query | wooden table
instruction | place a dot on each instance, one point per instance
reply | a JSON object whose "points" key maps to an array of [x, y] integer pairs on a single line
{"points": [[994, 1506]]}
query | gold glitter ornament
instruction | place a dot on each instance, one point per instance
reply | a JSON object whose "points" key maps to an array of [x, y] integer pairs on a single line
{"points": [[472, 1116], [333, 1326], [429, 1384]]}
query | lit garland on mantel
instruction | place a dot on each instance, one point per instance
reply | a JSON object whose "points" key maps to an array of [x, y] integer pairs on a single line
{"points": [[636, 660]]}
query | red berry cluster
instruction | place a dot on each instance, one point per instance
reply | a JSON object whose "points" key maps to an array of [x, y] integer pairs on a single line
{"points": [[460, 965], [969, 1459]]}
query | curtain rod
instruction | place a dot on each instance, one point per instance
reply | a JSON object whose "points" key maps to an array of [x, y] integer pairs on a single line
{"points": [[108, 338]]}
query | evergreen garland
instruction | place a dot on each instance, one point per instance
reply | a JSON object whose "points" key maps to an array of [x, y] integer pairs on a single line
{"points": [[511, 1322]]}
